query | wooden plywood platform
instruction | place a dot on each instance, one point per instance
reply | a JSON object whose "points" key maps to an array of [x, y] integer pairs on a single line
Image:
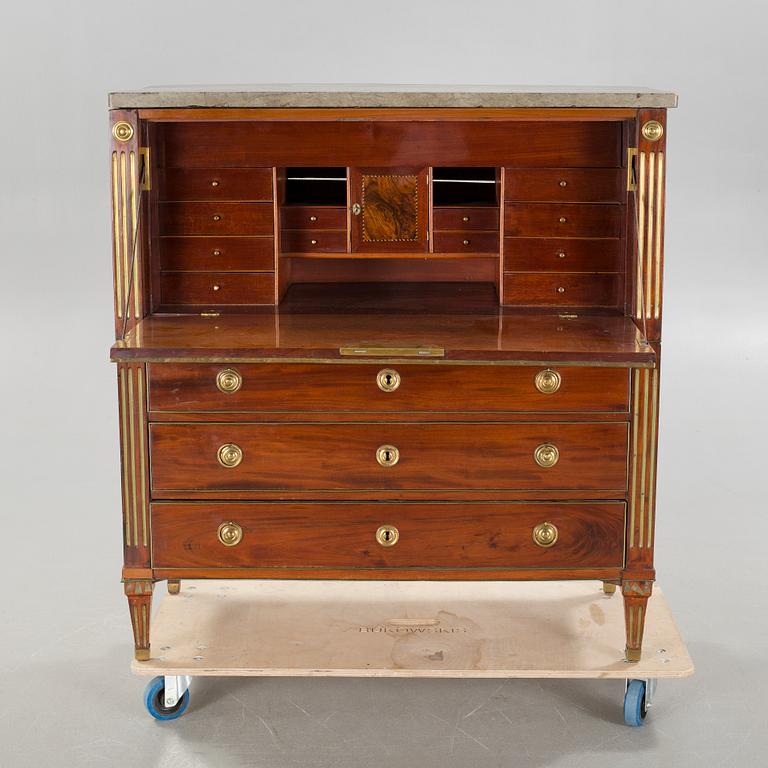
{"points": [[406, 629]]}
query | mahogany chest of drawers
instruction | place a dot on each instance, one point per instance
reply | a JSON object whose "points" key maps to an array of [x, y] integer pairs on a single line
{"points": [[388, 336]]}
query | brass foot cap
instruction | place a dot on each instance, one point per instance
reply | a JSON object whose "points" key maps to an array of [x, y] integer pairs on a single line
{"points": [[633, 654], [142, 654], [174, 587], [609, 589]]}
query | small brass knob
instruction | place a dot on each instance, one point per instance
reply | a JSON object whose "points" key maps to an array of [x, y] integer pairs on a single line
{"points": [[388, 379], [122, 131], [562, 219], [653, 130], [466, 242], [314, 242], [563, 183], [561, 254], [229, 380], [216, 287], [215, 183], [548, 381], [465, 218], [313, 218], [216, 217], [230, 534], [387, 535], [561, 289], [216, 252], [545, 534], [229, 455], [387, 455], [546, 455], [357, 209]]}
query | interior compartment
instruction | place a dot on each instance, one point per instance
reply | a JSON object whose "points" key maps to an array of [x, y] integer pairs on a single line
{"points": [[316, 186], [464, 186]]}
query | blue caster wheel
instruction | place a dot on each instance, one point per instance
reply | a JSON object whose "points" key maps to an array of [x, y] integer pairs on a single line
{"points": [[635, 703], [154, 701]]}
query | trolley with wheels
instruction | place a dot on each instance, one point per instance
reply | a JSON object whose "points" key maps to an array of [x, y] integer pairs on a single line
{"points": [[404, 629]]}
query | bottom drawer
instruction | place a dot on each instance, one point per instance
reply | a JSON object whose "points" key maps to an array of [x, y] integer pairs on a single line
{"points": [[352, 535]]}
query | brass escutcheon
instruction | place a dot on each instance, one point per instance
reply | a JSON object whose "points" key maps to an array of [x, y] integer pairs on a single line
{"points": [[230, 534], [653, 130], [388, 379], [545, 534], [357, 209], [122, 131], [229, 380], [548, 381], [229, 455], [546, 455], [387, 455], [387, 535]]}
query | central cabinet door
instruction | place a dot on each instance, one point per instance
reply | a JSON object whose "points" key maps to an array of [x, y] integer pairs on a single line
{"points": [[389, 210]]}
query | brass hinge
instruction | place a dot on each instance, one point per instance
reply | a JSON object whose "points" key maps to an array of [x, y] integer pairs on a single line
{"points": [[210, 314], [146, 179], [631, 169]]}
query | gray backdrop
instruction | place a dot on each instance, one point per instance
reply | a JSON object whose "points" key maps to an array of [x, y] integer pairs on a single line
{"points": [[66, 695]]}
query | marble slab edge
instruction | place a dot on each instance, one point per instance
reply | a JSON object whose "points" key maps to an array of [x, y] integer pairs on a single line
{"points": [[403, 100]]}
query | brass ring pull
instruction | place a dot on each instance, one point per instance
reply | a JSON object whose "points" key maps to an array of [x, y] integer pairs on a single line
{"points": [[229, 455], [546, 455], [387, 535], [230, 534], [388, 379], [387, 455], [229, 380], [545, 534], [548, 381]]}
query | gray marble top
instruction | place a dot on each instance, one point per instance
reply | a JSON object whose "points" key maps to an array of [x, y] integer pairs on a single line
{"points": [[319, 95]]}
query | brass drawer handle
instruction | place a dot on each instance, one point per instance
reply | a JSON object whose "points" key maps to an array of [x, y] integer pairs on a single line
{"points": [[465, 242], [546, 455], [562, 219], [229, 380], [229, 455], [313, 218], [545, 534], [548, 381], [388, 379], [387, 535], [230, 534], [216, 217], [387, 455]]}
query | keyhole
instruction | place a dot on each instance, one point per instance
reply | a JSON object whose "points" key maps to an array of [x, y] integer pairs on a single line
{"points": [[387, 455], [388, 379], [387, 535]]}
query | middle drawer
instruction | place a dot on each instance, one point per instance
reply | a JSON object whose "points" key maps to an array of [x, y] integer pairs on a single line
{"points": [[286, 387], [396, 456]]}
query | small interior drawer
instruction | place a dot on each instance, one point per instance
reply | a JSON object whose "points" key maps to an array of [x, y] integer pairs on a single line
{"points": [[309, 240], [465, 218], [561, 289], [313, 217], [577, 185], [217, 254], [466, 242], [562, 220], [215, 218], [212, 289], [559, 254], [246, 184]]}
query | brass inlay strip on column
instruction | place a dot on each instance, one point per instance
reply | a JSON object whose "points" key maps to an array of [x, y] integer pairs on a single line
{"points": [[142, 455], [644, 463], [651, 498], [116, 236], [144, 625], [657, 241], [124, 222], [649, 235], [126, 488], [640, 237], [134, 220], [630, 633], [132, 447], [633, 484]]}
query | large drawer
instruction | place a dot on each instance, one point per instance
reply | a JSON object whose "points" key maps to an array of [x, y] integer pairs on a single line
{"points": [[563, 289], [562, 220], [381, 388], [559, 254], [217, 254], [344, 535], [392, 456], [213, 218]]}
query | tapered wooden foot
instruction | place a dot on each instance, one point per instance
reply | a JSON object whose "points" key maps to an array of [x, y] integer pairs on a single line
{"points": [[174, 586], [608, 588], [636, 594], [139, 593]]}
